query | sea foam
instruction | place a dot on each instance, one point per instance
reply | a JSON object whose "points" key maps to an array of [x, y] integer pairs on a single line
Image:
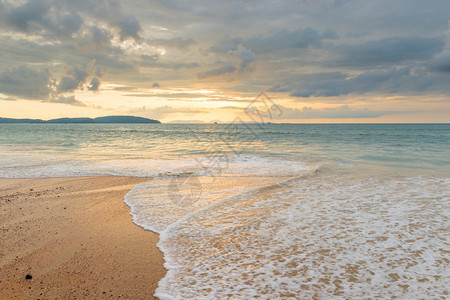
{"points": [[316, 235]]}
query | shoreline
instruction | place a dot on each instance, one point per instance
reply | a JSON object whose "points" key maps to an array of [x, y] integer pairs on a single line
{"points": [[76, 238]]}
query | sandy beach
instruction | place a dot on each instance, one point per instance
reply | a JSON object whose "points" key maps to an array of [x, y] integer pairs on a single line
{"points": [[76, 239]]}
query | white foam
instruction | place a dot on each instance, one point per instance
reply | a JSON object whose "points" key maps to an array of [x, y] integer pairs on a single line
{"points": [[327, 236], [32, 165]]}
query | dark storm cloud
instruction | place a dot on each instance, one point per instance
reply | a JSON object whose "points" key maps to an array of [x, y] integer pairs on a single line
{"points": [[392, 80], [387, 51], [280, 40], [25, 82]]}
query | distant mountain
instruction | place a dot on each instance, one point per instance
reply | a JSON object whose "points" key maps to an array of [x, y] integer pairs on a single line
{"points": [[71, 120], [124, 119], [101, 120], [8, 120]]}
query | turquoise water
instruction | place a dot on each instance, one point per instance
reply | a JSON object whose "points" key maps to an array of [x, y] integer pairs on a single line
{"points": [[401, 147], [273, 211]]}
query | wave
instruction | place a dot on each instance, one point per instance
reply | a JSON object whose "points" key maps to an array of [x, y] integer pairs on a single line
{"points": [[321, 235], [13, 165]]}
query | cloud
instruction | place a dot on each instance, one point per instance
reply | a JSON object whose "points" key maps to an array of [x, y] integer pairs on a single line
{"points": [[188, 121], [66, 100], [31, 12], [62, 19], [387, 51], [280, 40], [67, 84], [23, 52], [245, 55], [92, 38], [329, 35], [168, 95], [216, 72], [165, 111], [70, 23], [129, 26], [42, 16], [341, 112], [156, 61], [94, 85], [177, 42], [392, 80], [108, 12], [177, 66], [76, 78], [100, 36], [26, 82], [441, 62], [155, 85]]}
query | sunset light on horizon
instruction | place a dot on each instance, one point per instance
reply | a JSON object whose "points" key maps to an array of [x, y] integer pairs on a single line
{"points": [[193, 61]]}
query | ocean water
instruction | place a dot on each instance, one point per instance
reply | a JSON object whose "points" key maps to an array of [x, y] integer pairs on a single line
{"points": [[270, 211]]}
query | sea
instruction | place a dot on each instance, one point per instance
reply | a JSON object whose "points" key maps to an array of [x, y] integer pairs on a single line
{"points": [[270, 211]]}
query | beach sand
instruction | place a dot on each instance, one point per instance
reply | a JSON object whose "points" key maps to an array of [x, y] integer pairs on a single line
{"points": [[76, 239]]}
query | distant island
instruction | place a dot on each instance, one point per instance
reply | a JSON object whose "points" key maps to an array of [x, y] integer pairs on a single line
{"points": [[101, 120]]}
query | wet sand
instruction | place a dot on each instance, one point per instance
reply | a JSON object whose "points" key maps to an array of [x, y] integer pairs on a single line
{"points": [[76, 239]]}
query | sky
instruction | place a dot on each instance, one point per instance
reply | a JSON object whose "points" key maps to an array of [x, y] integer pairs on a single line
{"points": [[316, 61]]}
